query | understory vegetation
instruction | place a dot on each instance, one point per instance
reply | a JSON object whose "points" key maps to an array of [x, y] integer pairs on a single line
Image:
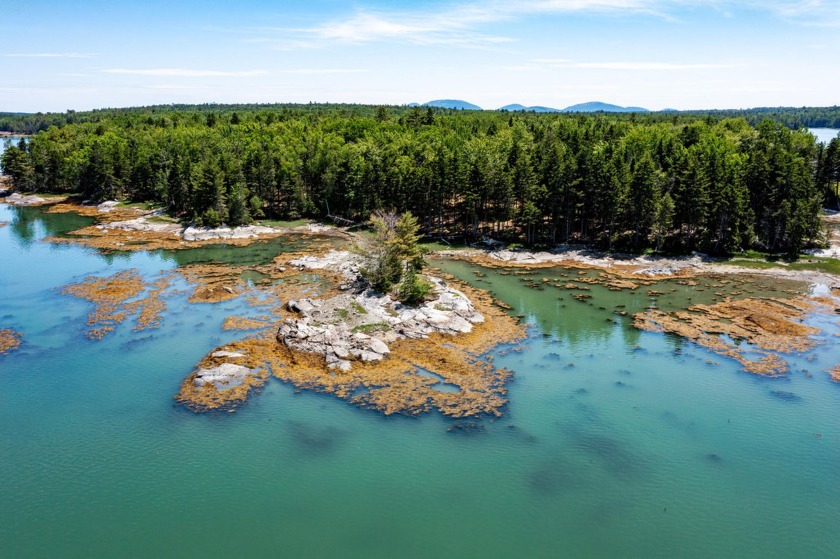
{"points": [[628, 182]]}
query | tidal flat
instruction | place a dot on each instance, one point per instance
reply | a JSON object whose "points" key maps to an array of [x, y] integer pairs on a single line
{"points": [[610, 440]]}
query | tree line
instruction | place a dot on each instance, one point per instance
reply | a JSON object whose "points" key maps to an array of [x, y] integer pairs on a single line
{"points": [[614, 181]]}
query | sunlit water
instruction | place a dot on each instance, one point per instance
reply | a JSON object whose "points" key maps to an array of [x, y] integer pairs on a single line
{"points": [[824, 135], [616, 443]]}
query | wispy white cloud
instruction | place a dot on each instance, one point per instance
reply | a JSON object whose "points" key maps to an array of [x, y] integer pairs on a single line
{"points": [[48, 55], [316, 71], [454, 26], [460, 24], [643, 66], [457, 24], [818, 13], [185, 73]]}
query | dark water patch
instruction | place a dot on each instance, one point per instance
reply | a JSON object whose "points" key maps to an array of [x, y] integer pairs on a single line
{"points": [[521, 434], [463, 427], [553, 356], [315, 440], [586, 412], [615, 455], [552, 479], [713, 458], [785, 396], [132, 345], [625, 372], [621, 384], [581, 391], [673, 420]]}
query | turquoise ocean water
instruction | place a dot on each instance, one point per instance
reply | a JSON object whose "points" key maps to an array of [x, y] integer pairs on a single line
{"points": [[616, 443]]}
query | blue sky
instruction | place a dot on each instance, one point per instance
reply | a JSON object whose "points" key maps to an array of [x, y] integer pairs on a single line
{"points": [[683, 54]]}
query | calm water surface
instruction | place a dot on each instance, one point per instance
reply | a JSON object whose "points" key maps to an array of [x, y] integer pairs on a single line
{"points": [[615, 443], [824, 135]]}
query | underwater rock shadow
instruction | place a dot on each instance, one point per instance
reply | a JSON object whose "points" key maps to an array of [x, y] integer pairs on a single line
{"points": [[614, 455], [314, 440], [553, 478], [672, 420], [785, 396]]}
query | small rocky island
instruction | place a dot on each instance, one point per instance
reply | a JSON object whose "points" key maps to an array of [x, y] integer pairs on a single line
{"points": [[359, 323], [366, 346]]}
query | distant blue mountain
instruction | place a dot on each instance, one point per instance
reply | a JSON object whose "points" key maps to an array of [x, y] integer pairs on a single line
{"points": [[536, 109], [596, 106], [452, 104]]}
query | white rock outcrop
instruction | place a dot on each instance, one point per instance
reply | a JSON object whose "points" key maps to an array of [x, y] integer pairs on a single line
{"points": [[358, 325], [223, 377]]}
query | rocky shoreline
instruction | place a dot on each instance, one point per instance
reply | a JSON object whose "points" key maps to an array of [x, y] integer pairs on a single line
{"points": [[367, 348], [358, 325], [126, 227], [634, 267]]}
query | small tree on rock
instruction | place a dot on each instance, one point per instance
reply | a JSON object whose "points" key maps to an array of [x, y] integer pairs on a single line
{"points": [[393, 256]]}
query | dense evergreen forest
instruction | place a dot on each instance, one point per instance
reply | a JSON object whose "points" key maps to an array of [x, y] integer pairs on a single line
{"points": [[792, 117], [675, 182]]}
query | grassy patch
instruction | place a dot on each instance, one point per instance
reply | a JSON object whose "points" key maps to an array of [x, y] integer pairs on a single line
{"points": [[803, 262], [370, 328], [358, 308], [282, 223], [342, 313], [830, 265], [434, 246], [138, 205], [162, 219], [756, 264]]}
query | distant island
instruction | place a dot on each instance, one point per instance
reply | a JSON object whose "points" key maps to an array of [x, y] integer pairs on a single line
{"points": [[590, 107], [452, 104]]}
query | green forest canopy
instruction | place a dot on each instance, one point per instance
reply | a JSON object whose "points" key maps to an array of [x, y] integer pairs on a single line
{"points": [[677, 181]]}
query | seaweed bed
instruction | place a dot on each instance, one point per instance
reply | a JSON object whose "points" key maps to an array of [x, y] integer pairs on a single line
{"points": [[9, 340], [394, 385], [768, 326], [117, 297]]}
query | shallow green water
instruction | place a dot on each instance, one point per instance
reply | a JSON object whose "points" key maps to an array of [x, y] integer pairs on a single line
{"points": [[639, 449]]}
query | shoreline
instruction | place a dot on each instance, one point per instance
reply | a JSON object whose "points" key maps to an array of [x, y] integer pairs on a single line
{"points": [[376, 356], [633, 267], [126, 227], [367, 349]]}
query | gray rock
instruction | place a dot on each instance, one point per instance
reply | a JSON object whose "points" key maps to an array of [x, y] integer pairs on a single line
{"points": [[226, 354], [377, 345], [18, 199], [223, 377]]}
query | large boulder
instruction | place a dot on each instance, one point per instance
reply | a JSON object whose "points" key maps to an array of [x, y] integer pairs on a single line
{"points": [[223, 377]]}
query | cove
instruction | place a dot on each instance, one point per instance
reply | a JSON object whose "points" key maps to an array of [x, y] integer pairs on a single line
{"points": [[615, 442]]}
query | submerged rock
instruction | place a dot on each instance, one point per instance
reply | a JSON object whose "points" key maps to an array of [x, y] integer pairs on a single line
{"points": [[466, 428], [786, 396]]}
